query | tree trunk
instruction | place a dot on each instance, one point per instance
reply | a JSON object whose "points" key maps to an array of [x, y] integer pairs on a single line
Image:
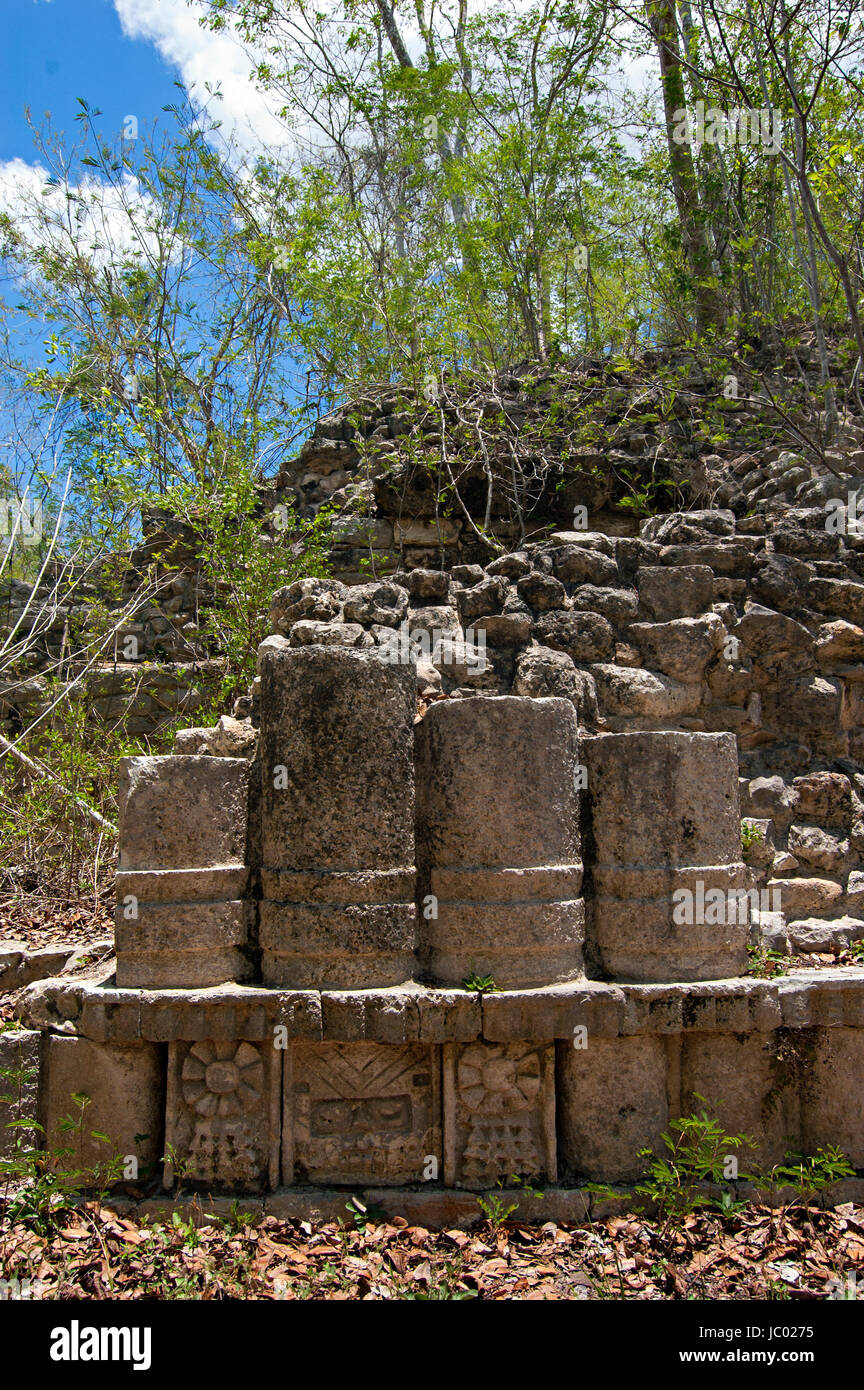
{"points": [[663, 21]]}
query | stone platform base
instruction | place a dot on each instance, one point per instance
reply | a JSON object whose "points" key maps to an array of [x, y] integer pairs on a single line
{"points": [[420, 1093]]}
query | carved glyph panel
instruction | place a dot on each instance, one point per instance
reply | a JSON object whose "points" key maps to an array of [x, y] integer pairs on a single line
{"points": [[499, 1113], [361, 1113], [222, 1122]]}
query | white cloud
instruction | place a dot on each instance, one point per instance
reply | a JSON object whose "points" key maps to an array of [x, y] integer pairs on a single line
{"points": [[204, 58], [106, 222]]}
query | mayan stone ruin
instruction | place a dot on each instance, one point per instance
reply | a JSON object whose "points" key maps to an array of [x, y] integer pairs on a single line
{"points": [[533, 774]]}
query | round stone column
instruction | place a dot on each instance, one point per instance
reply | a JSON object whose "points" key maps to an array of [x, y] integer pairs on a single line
{"points": [[337, 878], [500, 875], [182, 917], [669, 888]]}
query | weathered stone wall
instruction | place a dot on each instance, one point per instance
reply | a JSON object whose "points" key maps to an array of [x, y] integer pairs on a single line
{"points": [[342, 1054], [701, 624], [592, 715], [591, 426]]}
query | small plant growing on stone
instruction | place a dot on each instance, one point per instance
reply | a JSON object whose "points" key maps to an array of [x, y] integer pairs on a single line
{"points": [[808, 1175], [364, 1215], [238, 1220], [698, 1151], [497, 1209], [41, 1186], [764, 963], [480, 984], [751, 834]]}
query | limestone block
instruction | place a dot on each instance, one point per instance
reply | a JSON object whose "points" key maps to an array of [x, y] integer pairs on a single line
{"points": [[837, 596], [855, 891], [669, 884], [19, 1088], [504, 629], [831, 1109], [440, 531], [19, 967], [229, 738], [583, 636], [499, 1113], [839, 642], [498, 841], [770, 796], [810, 704], [769, 929], [803, 897], [124, 1086], [338, 817], [748, 1083], [358, 1113], [628, 693], [825, 938], [541, 591], [318, 599], [612, 1102], [222, 1114], [483, 598], [825, 797], [174, 945], [730, 557], [544, 673], [383, 603], [761, 851], [411, 1014], [576, 564], [512, 566], [307, 633], [591, 540], [428, 586], [738, 1005], [681, 648], [620, 606], [685, 592], [180, 920], [559, 1011], [771, 638], [437, 621], [220, 1013]]}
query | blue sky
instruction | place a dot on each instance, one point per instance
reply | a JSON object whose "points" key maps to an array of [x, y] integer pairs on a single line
{"points": [[124, 58], [54, 51]]}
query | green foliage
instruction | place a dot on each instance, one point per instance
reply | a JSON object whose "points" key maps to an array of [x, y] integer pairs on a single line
{"points": [[808, 1175], [441, 1290], [497, 1208], [480, 984], [241, 566], [48, 845], [751, 834], [764, 963], [697, 1150], [364, 1214], [40, 1187]]}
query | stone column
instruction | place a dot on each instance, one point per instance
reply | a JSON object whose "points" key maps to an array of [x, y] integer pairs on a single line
{"points": [[337, 877], [669, 885], [181, 921], [498, 841]]}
